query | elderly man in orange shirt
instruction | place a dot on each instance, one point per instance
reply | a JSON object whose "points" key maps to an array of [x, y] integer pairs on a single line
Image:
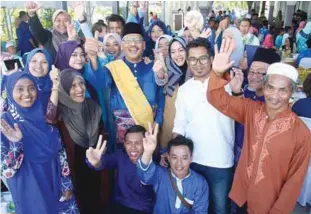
{"points": [[277, 144]]}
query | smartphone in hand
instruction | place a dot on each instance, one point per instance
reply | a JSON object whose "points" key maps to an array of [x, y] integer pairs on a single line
{"points": [[8, 65]]}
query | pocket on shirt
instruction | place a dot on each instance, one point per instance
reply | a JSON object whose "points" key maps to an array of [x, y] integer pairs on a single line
{"points": [[149, 89]]}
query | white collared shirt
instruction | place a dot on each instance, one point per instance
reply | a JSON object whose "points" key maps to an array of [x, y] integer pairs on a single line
{"points": [[210, 130]]}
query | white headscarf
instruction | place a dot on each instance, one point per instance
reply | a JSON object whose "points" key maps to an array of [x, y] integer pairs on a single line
{"points": [[169, 38], [117, 38], [238, 52]]}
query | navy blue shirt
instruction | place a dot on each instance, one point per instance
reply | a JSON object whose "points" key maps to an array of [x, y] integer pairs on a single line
{"points": [[129, 191], [145, 77], [303, 107]]}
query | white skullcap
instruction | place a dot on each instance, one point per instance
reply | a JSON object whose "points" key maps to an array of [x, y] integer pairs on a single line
{"points": [[284, 70], [9, 44]]}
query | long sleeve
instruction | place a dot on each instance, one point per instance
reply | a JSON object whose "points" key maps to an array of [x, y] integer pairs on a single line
{"points": [[201, 199], [66, 182], [23, 28], [51, 113], [107, 161], [234, 107], [295, 178], [41, 35], [12, 155], [103, 76], [180, 121], [85, 28], [161, 105], [149, 174]]}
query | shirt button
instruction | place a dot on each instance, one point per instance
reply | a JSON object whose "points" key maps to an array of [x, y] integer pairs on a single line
{"points": [[135, 71]]}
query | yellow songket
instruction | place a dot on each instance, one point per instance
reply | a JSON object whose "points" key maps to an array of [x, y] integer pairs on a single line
{"points": [[133, 96]]}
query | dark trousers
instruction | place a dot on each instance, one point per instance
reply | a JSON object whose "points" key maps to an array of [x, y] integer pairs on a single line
{"points": [[219, 182], [87, 184], [119, 208], [242, 210]]}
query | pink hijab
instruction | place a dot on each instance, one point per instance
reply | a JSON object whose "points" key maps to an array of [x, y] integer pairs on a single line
{"points": [[268, 42]]}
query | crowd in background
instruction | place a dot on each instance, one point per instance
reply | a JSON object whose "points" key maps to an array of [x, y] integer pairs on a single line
{"points": [[118, 117]]}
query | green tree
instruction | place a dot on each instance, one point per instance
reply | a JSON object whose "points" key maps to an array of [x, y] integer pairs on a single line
{"points": [[45, 16]]}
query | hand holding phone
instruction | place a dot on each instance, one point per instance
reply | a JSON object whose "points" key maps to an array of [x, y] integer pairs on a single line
{"points": [[10, 66]]}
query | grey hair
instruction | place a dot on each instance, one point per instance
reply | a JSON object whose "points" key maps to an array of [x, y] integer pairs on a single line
{"points": [[293, 84]]}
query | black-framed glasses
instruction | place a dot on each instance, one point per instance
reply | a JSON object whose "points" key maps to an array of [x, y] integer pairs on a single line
{"points": [[132, 40], [202, 59]]}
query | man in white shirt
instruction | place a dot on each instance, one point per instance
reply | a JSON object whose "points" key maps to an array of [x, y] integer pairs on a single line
{"points": [[211, 131], [248, 38]]}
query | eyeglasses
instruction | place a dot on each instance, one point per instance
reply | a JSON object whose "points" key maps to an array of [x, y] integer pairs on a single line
{"points": [[253, 73], [203, 60], [132, 40]]}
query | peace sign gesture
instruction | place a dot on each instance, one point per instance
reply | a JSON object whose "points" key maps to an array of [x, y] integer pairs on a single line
{"points": [[221, 60], [71, 30], [12, 134], [159, 64], [150, 139], [94, 155]]}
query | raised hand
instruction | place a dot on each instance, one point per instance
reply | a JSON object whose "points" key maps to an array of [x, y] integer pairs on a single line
{"points": [[159, 65], [94, 155], [12, 134], [9, 72], [32, 8], [71, 30], [79, 12], [55, 77], [237, 78], [221, 61], [100, 52], [92, 46], [150, 139]]}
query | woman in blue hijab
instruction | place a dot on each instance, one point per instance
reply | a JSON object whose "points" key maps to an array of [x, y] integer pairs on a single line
{"points": [[38, 65], [155, 30], [33, 159]]}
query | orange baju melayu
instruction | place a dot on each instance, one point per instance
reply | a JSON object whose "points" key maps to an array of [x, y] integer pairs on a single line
{"points": [[275, 154]]}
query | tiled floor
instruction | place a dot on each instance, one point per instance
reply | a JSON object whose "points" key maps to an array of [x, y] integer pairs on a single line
{"points": [[301, 210]]}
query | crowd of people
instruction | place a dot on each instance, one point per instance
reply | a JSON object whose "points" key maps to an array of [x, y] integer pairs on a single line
{"points": [[122, 118]]}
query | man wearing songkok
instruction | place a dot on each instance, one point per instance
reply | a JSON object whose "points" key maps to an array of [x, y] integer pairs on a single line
{"points": [[277, 144], [135, 97], [263, 58], [178, 189]]}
